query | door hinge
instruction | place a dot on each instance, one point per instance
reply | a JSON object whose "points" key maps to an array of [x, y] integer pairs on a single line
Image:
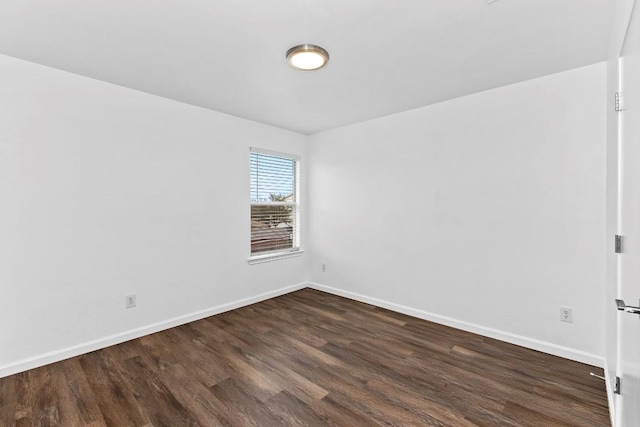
{"points": [[618, 102], [616, 387], [618, 244]]}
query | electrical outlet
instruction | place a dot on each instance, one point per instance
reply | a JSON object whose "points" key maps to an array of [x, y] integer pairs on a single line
{"points": [[324, 268], [130, 301], [566, 314]]}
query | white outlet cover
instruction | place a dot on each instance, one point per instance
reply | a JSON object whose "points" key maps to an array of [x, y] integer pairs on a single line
{"points": [[566, 314], [130, 301]]}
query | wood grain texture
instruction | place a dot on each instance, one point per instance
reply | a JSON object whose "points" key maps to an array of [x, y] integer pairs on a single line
{"points": [[308, 359]]}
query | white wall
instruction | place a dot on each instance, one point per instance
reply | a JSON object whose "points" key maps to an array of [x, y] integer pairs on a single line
{"points": [[106, 191], [485, 212]]}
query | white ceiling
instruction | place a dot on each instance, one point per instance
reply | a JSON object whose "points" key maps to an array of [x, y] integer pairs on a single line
{"points": [[386, 55]]}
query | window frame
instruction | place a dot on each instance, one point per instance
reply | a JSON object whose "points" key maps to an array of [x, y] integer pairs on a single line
{"points": [[296, 250]]}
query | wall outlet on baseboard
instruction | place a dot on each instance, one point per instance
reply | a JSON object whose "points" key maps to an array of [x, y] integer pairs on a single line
{"points": [[566, 314], [130, 301]]}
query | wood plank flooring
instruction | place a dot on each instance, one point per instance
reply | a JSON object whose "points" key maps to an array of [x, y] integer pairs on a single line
{"points": [[313, 359]]}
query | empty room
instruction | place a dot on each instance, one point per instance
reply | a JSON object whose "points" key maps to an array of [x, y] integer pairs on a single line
{"points": [[320, 213]]}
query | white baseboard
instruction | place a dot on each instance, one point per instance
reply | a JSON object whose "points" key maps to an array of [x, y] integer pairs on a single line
{"points": [[76, 350], [532, 343], [65, 353]]}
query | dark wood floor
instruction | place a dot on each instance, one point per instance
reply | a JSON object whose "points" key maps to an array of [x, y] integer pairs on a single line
{"points": [[308, 358]]}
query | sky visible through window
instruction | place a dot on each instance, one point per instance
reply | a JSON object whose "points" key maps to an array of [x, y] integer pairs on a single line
{"points": [[271, 175]]}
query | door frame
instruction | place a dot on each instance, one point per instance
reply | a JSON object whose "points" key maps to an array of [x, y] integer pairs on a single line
{"points": [[621, 22]]}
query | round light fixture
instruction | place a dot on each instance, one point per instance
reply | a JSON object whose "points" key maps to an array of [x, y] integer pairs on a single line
{"points": [[307, 57]]}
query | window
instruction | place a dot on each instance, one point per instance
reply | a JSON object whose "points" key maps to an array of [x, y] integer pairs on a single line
{"points": [[274, 206]]}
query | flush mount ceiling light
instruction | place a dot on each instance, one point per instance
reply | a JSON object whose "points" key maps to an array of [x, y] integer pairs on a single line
{"points": [[307, 57]]}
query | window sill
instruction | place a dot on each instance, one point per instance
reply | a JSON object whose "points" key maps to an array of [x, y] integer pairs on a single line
{"points": [[258, 259]]}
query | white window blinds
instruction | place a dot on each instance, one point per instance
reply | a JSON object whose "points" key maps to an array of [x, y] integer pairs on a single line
{"points": [[274, 203]]}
